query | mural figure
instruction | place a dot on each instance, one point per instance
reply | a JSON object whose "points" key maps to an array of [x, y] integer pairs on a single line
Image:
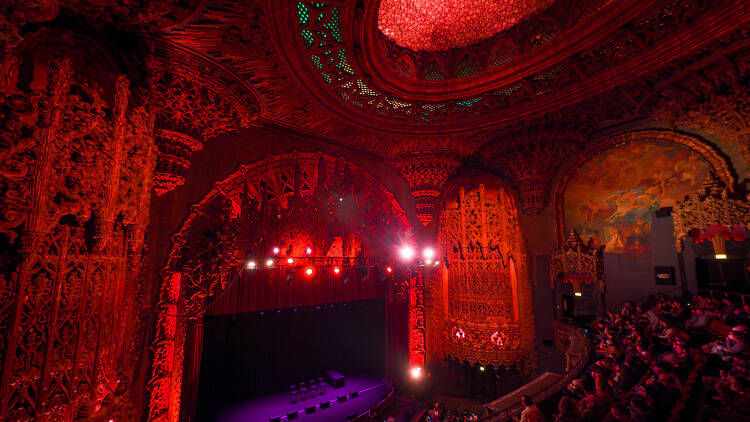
{"points": [[615, 208]]}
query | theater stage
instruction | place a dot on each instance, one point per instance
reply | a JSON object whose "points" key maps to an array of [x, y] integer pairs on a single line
{"points": [[372, 390]]}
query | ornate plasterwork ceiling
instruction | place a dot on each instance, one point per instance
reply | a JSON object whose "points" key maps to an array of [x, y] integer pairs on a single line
{"points": [[434, 25], [309, 64], [622, 41]]}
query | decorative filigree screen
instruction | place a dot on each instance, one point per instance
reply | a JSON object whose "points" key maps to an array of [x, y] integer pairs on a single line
{"points": [[482, 310]]}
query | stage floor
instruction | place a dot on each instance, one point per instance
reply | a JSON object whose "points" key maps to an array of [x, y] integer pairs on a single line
{"points": [[372, 390]]}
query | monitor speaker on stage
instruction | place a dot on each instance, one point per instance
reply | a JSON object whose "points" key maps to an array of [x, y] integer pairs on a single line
{"points": [[310, 409], [325, 404], [276, 419], [341, 399], [291, 415], [354, 394]]}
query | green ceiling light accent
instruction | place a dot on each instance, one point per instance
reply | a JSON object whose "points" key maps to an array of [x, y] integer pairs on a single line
{"points": [[469, 103], [302, 13]]}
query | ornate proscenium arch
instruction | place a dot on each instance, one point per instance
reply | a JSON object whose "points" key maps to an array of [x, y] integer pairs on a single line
{"points": [[721, 167], [295, 201]]}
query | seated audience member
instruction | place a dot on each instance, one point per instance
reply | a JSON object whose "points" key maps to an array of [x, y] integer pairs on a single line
{"points": [[567, 410], [530, 412], [733, 344], [576, 390], [699, 319], [618, 413], [640, 411]]}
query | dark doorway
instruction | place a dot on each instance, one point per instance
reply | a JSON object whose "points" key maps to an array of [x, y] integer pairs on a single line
{"points": [[722, 274]]}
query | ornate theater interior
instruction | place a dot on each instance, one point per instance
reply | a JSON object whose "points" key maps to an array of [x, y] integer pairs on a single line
{"points": [[374, 210]]}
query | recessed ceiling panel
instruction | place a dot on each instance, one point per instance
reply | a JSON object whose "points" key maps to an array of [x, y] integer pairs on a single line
{"points": [[434, 25]]}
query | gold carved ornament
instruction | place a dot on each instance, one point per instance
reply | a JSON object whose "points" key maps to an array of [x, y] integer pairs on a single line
{"points": [[714, 213]]}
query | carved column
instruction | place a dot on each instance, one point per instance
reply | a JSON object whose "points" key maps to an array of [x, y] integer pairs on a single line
{"points": [[166, 370], [416, 320]]}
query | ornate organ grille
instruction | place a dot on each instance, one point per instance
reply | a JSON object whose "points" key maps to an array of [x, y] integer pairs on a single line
{"points": [[483, 301]]}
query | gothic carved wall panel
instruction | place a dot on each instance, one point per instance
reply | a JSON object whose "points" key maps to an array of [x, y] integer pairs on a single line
{"points": [[74, 190], [483, 303]]}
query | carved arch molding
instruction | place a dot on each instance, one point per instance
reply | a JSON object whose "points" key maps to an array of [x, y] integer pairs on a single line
{"points": [[721, 167], [295, 200]]}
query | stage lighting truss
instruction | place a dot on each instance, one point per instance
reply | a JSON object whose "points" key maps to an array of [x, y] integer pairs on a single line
{"points": [[312, 265]]}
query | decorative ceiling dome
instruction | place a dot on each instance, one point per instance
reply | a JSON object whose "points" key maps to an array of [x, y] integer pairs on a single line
{"points": [[436, 25]]}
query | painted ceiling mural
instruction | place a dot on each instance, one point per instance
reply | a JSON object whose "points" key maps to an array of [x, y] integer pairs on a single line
{"points": [[615, 208]]}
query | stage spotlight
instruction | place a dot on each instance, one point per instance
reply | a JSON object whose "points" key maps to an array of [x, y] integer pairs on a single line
{"points": [[416, 372], [721, 256], [269, 263], [428, 253], [336, 270], [276, 250], [407, 253], [309, 271], [436, 263], [579, 294], [308, 250], [428, 261], [481, 368], [388, 269], [290, 261], [251, 265]]}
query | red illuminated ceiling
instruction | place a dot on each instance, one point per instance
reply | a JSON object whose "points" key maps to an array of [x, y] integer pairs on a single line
{"points": [[434, 25]]}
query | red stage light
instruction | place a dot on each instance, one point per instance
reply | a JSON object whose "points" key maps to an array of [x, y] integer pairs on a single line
{"points": [[336, 270], [308, 250], [428, 253], [251, 265], [290, 261], [276, 250], [389, 269], [269, 263], [309, 271]]}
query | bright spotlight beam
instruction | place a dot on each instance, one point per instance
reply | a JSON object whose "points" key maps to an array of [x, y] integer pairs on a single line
{"points": [[416, 372], [407, 253], [428, 253]]}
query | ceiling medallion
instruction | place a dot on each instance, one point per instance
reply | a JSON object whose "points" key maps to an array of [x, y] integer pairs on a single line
{"points": [[437, 25]]}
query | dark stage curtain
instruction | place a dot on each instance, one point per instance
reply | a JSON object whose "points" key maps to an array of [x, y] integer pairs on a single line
{"points": [[276, 288], [252, 354]]}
